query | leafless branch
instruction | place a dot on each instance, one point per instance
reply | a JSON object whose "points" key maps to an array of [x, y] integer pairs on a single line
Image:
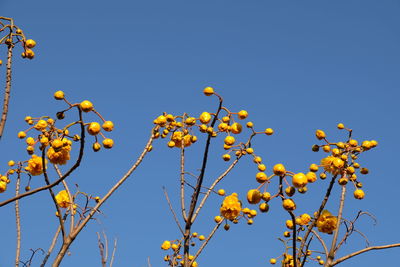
{"points": [[172, 210], [363, 251], [18, 221]]}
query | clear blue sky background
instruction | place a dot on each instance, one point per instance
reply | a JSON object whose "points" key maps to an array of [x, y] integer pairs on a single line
{"points": [[296, 66]]}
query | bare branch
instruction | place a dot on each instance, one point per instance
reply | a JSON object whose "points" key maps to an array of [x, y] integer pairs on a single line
{"points": [[7, 91], [79, 227], [50, 250], [213, 186], [363, 251], [172, 210], [205, 242], [18, 221], [321, 241], [331, 254]]}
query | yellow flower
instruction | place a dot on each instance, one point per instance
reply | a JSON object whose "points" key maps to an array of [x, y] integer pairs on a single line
{"points": [[35, 166], [332, 164], [166, 245], [231, 207], [178, 137], [326, 222], [60, 157], [62, 199], [304, 219], [3, 186]]}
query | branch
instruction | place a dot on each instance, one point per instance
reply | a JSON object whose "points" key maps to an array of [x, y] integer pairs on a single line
{"points": [[183, 183], [50, 250], [101, 248], [172, 210], [331, 254], [362, 251], [71, 205], [213, 186], [71, 237], [7, 90], [323, 203], [321, 241], [76, 165], [18, 222], [206, 242], [53, 197], [196, 193]]}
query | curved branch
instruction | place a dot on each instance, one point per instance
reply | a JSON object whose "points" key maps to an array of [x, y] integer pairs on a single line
{"points": [[363, 251], [58, 181]]}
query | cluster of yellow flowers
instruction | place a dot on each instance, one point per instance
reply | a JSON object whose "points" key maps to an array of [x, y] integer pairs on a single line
{"points": [[176, 258], [182, 129], [15, 36], [342, 161], [57, 141]]}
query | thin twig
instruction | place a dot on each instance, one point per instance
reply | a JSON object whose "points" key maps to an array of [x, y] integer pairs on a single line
{"points": [[172, 210], [183, 209], [321, 241], [101, 248], [113, 253], [50, 250], [213, 186], [205, 242]]}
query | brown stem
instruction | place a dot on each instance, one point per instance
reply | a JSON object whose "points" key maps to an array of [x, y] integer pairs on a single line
{"points": [[71, 237], [18, 222], [172, 210], [7, 91], [53, 244], [362, 251], [323, 203], [183, 209], [322, 242], [53, 197], [76, 165], [213, 186], [294, 238], [71, 204], [205, 242], [196, 192], [331, 254]]}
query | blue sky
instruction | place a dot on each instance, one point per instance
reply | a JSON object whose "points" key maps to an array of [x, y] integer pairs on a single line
{"points": [[295, 66]]}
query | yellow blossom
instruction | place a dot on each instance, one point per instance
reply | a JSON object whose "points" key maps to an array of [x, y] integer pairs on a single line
{"points": [[326, 222], [166, 245], [61, 156], [62, 199], [231, 207], [35, 166], [332, 164]]}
